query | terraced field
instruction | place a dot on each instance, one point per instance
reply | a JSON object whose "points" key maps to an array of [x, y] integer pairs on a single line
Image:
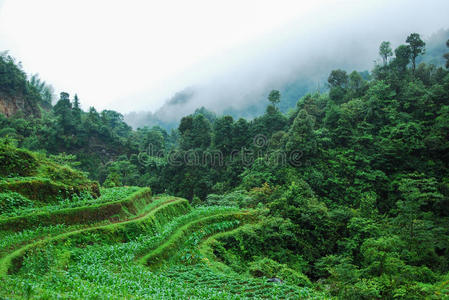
{"points": [[136, 247]]}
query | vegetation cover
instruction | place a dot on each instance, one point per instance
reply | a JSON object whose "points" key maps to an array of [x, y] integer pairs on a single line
{"points": [[345, 196]]}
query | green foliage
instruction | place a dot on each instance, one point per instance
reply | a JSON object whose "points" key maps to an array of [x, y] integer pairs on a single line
{"points": [[416, 47], [301, 136], [55, 181], [157, 256], [273, 238], [446, 55], [82, 200], [257, 175], [236, 198], [114, 204], [385, 51], [266, 267], [274, 97], [96, 265], [338, 78], [65, 159], [223, 135], [155, 214], [403, 55], [16, 162], [195, 132], [357, 204], [45, 91], [14, 84], [42, 190], [11, 201], [113, 180]]}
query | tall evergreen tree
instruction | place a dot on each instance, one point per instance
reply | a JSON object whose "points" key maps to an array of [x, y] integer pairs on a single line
{"points": [[63, 111], [417, 47], [446, 56], [301, 136], [76, 110], [385, 52], [222, 134], [402, 59], [274, 97]]}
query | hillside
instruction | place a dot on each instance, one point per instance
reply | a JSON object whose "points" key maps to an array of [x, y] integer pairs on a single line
{"points": [[302, 82], [70, 241], [345, 196], [18, 95], [30, 180]]}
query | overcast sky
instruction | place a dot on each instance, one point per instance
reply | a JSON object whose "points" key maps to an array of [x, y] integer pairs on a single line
{"points": [[133, 55]]}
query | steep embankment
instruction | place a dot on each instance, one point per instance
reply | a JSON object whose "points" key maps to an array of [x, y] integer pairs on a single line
{"points": [[18, 95], [10, 106], [40, 179]]}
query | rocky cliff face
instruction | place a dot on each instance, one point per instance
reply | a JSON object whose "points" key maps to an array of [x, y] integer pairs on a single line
{"points": [[10, 106]]}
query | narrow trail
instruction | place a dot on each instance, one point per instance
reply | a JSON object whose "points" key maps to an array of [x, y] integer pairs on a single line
{"points": [[6, 261]]}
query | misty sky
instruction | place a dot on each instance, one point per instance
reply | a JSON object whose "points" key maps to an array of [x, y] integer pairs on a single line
{"points": [[133, 55]]}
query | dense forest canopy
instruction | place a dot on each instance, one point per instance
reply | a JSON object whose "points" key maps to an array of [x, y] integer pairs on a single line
{"points": [[354, 181]]}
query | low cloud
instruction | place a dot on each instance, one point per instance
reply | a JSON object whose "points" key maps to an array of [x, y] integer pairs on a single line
{"points": [[305, 50]]}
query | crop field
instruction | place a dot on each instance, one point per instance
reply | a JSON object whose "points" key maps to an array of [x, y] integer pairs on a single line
{"points": [[149, 248]]}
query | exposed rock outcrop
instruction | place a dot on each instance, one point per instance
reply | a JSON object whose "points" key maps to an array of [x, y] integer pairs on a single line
{"points": [[10, 106]]}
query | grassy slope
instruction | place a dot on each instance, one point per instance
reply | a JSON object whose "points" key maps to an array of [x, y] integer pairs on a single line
{"points": [[108, 269], [136, 232], [38, 178], [80, 215], [157, 256], [100, 261], [162, 207]]}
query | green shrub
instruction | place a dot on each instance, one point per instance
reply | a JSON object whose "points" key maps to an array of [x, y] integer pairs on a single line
{"points": [[11, 201], [16, 162], [181, 236], [46, 190], [239, 198], [270, 237], [266, 267], [50, 180], [40, 189]]}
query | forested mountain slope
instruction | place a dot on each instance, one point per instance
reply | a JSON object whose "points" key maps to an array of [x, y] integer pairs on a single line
{"points": [[346, 195], [311, 79]]}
